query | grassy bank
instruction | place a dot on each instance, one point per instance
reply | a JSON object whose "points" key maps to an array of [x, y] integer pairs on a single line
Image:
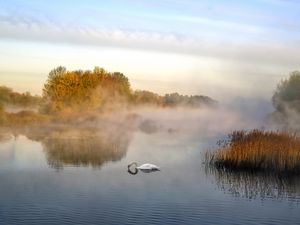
{"points": [[257, 150]]}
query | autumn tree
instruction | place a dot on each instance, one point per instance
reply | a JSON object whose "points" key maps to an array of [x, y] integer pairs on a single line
{"points": [[77, 90]]}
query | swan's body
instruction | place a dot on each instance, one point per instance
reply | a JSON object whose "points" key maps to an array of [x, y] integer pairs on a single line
{"points": [[146, 168]]}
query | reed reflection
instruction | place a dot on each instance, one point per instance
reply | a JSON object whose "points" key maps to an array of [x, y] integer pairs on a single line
{"points": [[256, 185]]}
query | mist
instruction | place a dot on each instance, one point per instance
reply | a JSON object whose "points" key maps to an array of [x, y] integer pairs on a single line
{"points": [[98, 111], [202, 122]]}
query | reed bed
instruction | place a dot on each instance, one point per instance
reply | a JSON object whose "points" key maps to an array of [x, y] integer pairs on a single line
{"points": [[257, 150]]}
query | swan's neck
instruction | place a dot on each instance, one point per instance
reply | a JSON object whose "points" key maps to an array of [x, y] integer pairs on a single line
{"points": [[133, 163]]}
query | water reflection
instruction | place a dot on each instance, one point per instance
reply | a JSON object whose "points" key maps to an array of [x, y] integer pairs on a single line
{"points": [[84, 149], [78, 147], [132, 171], [256, 185]]}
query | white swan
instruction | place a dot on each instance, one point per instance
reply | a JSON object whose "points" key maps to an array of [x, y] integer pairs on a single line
{"points": [[147, 167]]}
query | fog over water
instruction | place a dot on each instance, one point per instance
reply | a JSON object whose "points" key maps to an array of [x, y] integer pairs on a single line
{"points": [[91, 87], [63, 173]]}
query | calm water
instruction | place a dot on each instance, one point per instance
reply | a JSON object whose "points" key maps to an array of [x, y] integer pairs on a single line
{"points": [[82, 178]]}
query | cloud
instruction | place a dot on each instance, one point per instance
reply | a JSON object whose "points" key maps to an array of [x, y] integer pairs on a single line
{"points": [[219, 37], [236, 65], [35, 30]]}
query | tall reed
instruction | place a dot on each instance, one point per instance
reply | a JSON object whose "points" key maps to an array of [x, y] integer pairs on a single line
{"points": [[257, 150]]}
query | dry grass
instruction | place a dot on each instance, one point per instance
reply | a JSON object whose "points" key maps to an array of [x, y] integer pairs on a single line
{"points": [[258, 150], [25, 118]]}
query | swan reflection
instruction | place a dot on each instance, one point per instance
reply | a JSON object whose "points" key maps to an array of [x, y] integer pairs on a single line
{"points": [[256, 185]]}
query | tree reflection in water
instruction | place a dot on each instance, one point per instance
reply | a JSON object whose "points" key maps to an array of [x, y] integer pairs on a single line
{"points": [[84, 149], [80, 147], [258, 185]]}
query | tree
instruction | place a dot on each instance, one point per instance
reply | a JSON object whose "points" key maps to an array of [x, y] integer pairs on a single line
{"points": [[9, 97], [88, 90], [287, 94], [147, 97]]}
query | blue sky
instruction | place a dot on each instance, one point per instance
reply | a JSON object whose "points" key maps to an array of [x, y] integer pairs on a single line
{"points": [[217, 48]]}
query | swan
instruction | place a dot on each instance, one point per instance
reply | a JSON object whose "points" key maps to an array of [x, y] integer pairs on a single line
{"points": [[147, 167]]}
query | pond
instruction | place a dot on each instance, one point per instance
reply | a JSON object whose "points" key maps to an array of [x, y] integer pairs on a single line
{"points": [[81, 177]]}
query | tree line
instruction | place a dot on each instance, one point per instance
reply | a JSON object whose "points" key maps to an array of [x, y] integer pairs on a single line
{"points": [[69, 94], [12, 98], [98, 89], [66, 92]]}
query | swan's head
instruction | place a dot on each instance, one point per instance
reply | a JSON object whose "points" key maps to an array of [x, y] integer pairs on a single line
{"points": [[133, 163]]}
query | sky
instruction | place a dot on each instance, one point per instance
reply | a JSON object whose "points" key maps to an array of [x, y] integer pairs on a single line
{"points": [[223, 49]]}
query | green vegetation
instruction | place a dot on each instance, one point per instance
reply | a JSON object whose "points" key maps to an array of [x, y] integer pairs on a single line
{"points": [[194, 101], [10, 98], [256, 150], [21, 103], [147, 98], [286, 101], [172, 100], [287, 94]]}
